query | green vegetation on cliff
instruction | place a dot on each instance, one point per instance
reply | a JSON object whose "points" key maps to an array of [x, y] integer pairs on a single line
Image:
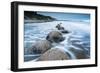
{"points": [[30, 15]]}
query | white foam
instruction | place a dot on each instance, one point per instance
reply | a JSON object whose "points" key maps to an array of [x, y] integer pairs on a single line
{"points": [[77, 32], [32, 55]]}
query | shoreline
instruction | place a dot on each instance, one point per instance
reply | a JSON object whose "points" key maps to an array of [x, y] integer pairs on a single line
{"points": [[37, 21], [41, 21]]}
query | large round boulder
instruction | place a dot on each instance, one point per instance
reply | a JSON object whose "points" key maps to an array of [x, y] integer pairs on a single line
{"points": [[40, 47], [53, 54], [55, 36]]}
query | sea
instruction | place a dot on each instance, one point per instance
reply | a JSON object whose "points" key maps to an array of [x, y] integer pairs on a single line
{"points": [[78, 36]]}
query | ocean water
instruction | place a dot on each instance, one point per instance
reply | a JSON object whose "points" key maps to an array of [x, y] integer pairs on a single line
{"points": [[78, 38]]}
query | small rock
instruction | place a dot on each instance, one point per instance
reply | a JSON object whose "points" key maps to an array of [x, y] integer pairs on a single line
{"points": [[64, 31], [59, 27], [79, 53]]}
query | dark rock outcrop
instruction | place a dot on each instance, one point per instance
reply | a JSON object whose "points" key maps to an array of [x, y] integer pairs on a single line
{"points": [[61, 28], [64, 31]]}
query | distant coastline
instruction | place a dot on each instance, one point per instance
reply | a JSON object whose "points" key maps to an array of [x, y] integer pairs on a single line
{"points": [[36, 21], [42, 21]]}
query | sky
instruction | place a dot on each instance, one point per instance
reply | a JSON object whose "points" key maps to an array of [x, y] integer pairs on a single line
{"points": [[66, 16]]}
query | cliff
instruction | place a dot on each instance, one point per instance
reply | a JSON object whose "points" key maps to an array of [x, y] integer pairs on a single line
{"points": [[30, 16]]}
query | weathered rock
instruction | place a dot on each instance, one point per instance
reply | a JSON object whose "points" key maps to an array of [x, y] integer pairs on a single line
{"points": [[40, 46], [79, 53], [55, 36], [59, 27], [53, 54], [64, 31], [44, 45]]}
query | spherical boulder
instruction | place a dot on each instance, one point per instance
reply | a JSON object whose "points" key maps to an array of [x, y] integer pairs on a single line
{"points": [[40, 47], [53, 54], [55, 36]]}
